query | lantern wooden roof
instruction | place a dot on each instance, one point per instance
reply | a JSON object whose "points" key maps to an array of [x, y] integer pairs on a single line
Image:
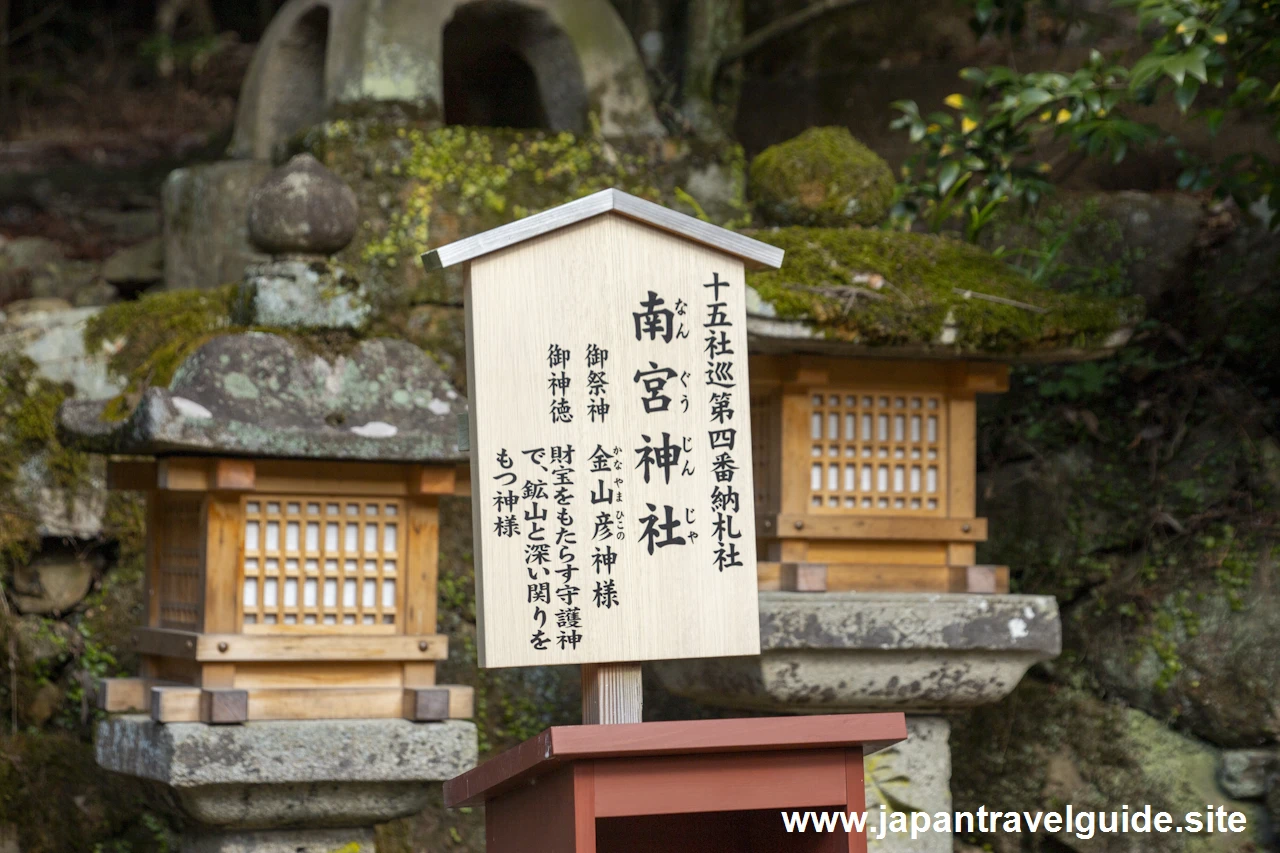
{"points": [[257, 394]]}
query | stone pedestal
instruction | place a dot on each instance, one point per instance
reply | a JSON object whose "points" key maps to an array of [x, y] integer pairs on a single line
{"points": [[840, 652], [283, 841], [923, 653], [288, 787], [912, 775]]}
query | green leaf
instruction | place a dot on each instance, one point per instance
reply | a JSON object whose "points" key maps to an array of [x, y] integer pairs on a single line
{"points": [[1185, 94], [1195, 63], [1188, 27], [1146, 69], [1034, 96], [947, 176], [1213, 118]]}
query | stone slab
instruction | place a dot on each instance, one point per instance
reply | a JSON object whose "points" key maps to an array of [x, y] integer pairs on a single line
{"points": [[282, 841], [913, 775], [1245, 773], [274, 775], [841, 652], [51, 333], [206, 215], [301, 294]]}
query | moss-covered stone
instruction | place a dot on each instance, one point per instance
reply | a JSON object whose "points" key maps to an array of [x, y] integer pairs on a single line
{"points": [[886, 288], [1050, 746], [421, 186], [150, 337], [822, 177], [61, 802], [28, 418]]}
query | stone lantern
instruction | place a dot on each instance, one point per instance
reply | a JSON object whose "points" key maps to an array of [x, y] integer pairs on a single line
{"points": [[864, 431], [292, 542], [292, 501]]}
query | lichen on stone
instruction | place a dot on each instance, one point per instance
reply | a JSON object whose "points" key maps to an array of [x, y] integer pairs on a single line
{"points": [[149, 338], [885, 288], [822, 177], [28, 417]]}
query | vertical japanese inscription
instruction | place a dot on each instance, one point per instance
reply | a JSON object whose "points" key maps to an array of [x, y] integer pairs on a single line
{"points": [[608, 400], [722, 437]]}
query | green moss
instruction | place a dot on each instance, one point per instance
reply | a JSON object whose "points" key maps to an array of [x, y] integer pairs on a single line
{"points": [[486, 176], [822, 177], [150, 338], [883, 288], [422, 186], [52, 790], [28, 432]]}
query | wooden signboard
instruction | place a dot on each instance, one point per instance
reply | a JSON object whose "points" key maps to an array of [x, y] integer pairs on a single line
{"points": [[610, 435]]}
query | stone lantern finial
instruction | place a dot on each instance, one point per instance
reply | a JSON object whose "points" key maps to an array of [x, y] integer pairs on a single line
{"points": [[302, 208], [300, 214]]}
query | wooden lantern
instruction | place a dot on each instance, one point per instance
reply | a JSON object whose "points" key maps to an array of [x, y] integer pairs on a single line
{"points": [[285, 590], [281, 588], [864, 473]]}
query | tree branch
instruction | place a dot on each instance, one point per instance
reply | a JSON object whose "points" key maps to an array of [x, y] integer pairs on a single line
{"points": [[30, 25], [6, 101], [786, 24]]}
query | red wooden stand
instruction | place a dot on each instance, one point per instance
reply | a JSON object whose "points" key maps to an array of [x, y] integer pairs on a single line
{"points": [[711, 786]]}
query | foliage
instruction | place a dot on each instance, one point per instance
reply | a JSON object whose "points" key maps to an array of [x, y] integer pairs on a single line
{"points": [[1073, 248], [485, 176], [53, 791], [983, 152]]}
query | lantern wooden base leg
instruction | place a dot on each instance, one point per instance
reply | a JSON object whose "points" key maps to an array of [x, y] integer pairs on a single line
{"points": [[122, 695], [802, 577], [855, 577], [443, 702], [221, 707], [175, 704], [170, 703]]}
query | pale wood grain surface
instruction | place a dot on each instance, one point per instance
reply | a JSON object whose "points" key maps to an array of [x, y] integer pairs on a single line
{"points": [[581, 285], [612, 693]]}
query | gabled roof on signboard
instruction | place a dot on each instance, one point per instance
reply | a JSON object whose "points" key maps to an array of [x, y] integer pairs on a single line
{"points": [[755, 254]]}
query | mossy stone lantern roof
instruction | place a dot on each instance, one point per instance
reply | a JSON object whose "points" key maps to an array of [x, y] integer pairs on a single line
{"points": [[858, 292], [263, 395]]}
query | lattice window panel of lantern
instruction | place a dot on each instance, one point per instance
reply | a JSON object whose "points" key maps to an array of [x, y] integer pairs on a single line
{"points": [[765, 439], [877, 452], [180, 560], [320, 565]]}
